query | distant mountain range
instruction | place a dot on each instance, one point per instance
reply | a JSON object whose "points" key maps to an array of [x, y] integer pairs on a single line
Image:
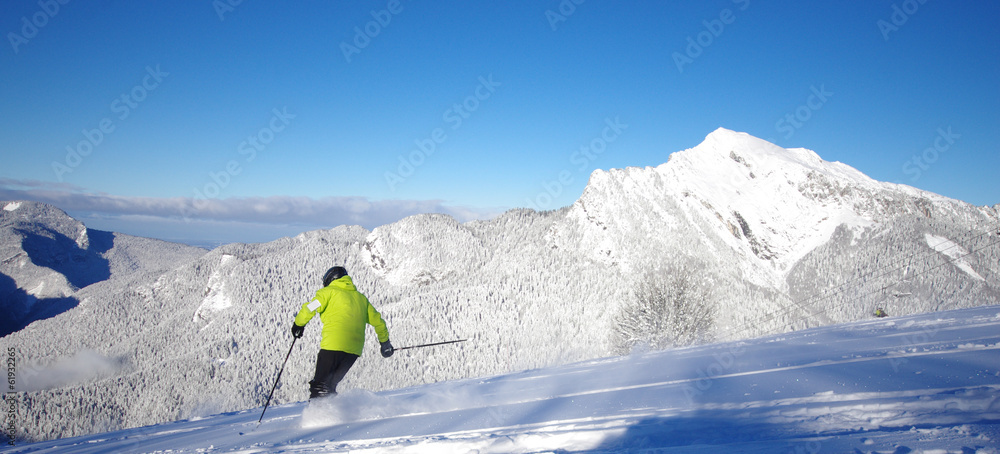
{"points": [[731, 239], [52, 261]]}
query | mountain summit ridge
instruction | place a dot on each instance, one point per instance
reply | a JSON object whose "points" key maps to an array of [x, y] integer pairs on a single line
{"points": [[768, 202]]}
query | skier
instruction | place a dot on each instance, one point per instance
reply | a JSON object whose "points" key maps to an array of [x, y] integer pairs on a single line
{"points": [[344, 312], [880, 313]]}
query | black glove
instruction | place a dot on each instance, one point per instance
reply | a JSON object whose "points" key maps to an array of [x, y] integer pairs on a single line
{"points": [[297, 330], [386, 349]]}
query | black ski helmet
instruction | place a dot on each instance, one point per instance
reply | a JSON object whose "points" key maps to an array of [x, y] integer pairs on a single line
{"points": [[333, 274]]}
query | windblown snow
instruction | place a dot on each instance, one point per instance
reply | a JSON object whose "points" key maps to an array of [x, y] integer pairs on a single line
{"points": [[926, 383]]}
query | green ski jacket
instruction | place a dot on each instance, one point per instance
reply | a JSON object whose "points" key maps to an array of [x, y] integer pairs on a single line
{"points": [[344, 312]]}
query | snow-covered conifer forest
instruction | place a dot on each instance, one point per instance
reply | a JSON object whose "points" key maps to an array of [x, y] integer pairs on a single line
{"points": [[731, 239]]}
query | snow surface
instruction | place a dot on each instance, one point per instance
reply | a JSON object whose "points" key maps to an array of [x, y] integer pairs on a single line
{"points": [[922, 383], [12, 206]]}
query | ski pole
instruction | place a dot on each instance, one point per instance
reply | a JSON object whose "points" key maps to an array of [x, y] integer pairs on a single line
{"points": [[429, 345], [276, 380]]}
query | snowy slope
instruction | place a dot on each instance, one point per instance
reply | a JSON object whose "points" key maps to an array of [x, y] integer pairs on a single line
{"points": [[927, 383], [765, 239]]}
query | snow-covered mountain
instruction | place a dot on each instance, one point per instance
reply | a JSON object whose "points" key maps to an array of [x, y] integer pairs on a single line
{"points": [[731, 239], [923, 383], [49, 257], [775, 226]]}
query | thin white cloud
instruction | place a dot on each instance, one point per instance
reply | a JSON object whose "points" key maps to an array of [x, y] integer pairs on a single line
{"points": [[279, 211], [83, 367]]}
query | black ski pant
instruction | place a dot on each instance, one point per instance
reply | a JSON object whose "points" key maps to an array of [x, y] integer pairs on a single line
{"points": [[331, 367]]}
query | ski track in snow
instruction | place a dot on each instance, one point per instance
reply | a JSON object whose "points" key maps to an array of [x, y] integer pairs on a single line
{"points": [[926, 383]]}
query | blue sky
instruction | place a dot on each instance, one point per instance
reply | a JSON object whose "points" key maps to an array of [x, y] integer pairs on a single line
{"points": [[211, 122]]}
